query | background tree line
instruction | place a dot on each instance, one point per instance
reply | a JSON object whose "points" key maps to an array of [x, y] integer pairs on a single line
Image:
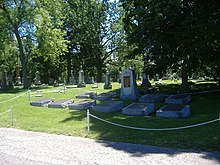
{"points": [[57, 36]]}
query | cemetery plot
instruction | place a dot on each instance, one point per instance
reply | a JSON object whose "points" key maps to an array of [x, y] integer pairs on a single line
{"points": [[138, 109], [151, 98], [108, 106], [176, 112], [60, 103], [41, 102], [82, 105], [105, 96], [178, 99], [86, 95]]}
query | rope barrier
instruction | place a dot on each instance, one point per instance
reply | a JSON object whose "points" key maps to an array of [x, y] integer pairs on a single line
{"points": [[13, 98], [5, 112], [154, 129]]}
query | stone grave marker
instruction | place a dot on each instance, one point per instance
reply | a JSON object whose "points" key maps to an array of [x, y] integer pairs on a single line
{"points": [[60, 103], [178, 99], [81, 81], [82, 105], [87, 95], [108, 106], [176, 112], [17, 78], [128, 85], [105, 96], [41, 102], [107, 84], [151, 98], [37, 78], [138, 109]]}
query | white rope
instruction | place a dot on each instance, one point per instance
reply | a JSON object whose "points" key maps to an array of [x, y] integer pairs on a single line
{"points": [[154, 129], [5, 112], [13, 98]]}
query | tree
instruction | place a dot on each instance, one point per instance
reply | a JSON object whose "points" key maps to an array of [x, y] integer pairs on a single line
{"points": [[174, 33], [92, 32]]}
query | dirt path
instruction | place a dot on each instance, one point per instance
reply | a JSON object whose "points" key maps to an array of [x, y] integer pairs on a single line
{"points": [[19, 147]]}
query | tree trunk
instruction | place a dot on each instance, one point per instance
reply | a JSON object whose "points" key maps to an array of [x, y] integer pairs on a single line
{"points": [[99, 72], [184, 85], [22, 58], [68, 66]]}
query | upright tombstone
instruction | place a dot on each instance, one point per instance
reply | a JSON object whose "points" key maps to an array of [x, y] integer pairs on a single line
{"points": [[128, 85], [71, 78], [37, 78], [17, 78], [81, 82], [107, 85], [145, 80]]}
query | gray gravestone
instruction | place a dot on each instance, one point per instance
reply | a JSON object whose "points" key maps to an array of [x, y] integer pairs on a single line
{"points": [[107, 85], [41, 102], [176, 112], [82, 105], [17, 78], [145, 80], [37, 78], [81, 82], [105, 96], [151, 98], [178, 99], [138, 109], [60, 103], [108, 106], [86, 94], [128, 85]]}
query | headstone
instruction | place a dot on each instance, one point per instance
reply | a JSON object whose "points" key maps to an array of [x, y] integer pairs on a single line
{"points": [[178, 99], [107, 84], [86, 94], [105, 96], [41, 102], [108, 106], [51, 81], [145, 80], [89, 80], [176, 112], [138, 109], [82, 105], [81, 82], [17, 78], [71, 78], [37, 78], [151, 98], [60, 103], [128, 85]]}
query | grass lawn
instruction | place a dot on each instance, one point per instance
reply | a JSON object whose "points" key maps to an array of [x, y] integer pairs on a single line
{"points": [[69, 122]]}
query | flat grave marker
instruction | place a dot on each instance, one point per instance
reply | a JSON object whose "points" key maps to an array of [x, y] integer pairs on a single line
{"points": [[138, 109], [41, 102], [108, 106], [151, 98], [60, 103], [105, 96], [82, 105], [178, 99], [176, 112], [86, 95]]}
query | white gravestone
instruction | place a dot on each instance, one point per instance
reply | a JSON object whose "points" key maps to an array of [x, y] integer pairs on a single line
{"points": [[128, 85], [37, 78], [108, 84]]}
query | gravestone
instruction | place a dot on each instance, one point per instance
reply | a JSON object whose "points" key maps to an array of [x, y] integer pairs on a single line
{"points": [[81, 82], [151, 98], [37, 78], [128, 85], [105, 96], [60, 103], [86, 94], [82, 105], [138, 109], [71, 78], [176, 112], [17, 78], [41, 102], [107, 84], [108, 106], [178, 99], [145, 80]]}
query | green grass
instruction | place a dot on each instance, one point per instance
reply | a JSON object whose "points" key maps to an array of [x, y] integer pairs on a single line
{"points": [[69, 122]]}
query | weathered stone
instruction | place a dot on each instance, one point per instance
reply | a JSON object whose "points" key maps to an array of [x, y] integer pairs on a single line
{"points": [[60, 103], [82, 105], [105, 96], [138, 109], [85, 95], [151, 98], [108, 106], [41, 102], [178, 99], [176, 112]]}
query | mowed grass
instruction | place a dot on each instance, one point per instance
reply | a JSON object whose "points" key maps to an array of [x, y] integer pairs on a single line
{"points": [[204, 108]]}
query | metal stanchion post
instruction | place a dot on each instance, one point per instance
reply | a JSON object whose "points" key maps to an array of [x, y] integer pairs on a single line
{"points": [[11, 115], [88, 123], [29, 96]]}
